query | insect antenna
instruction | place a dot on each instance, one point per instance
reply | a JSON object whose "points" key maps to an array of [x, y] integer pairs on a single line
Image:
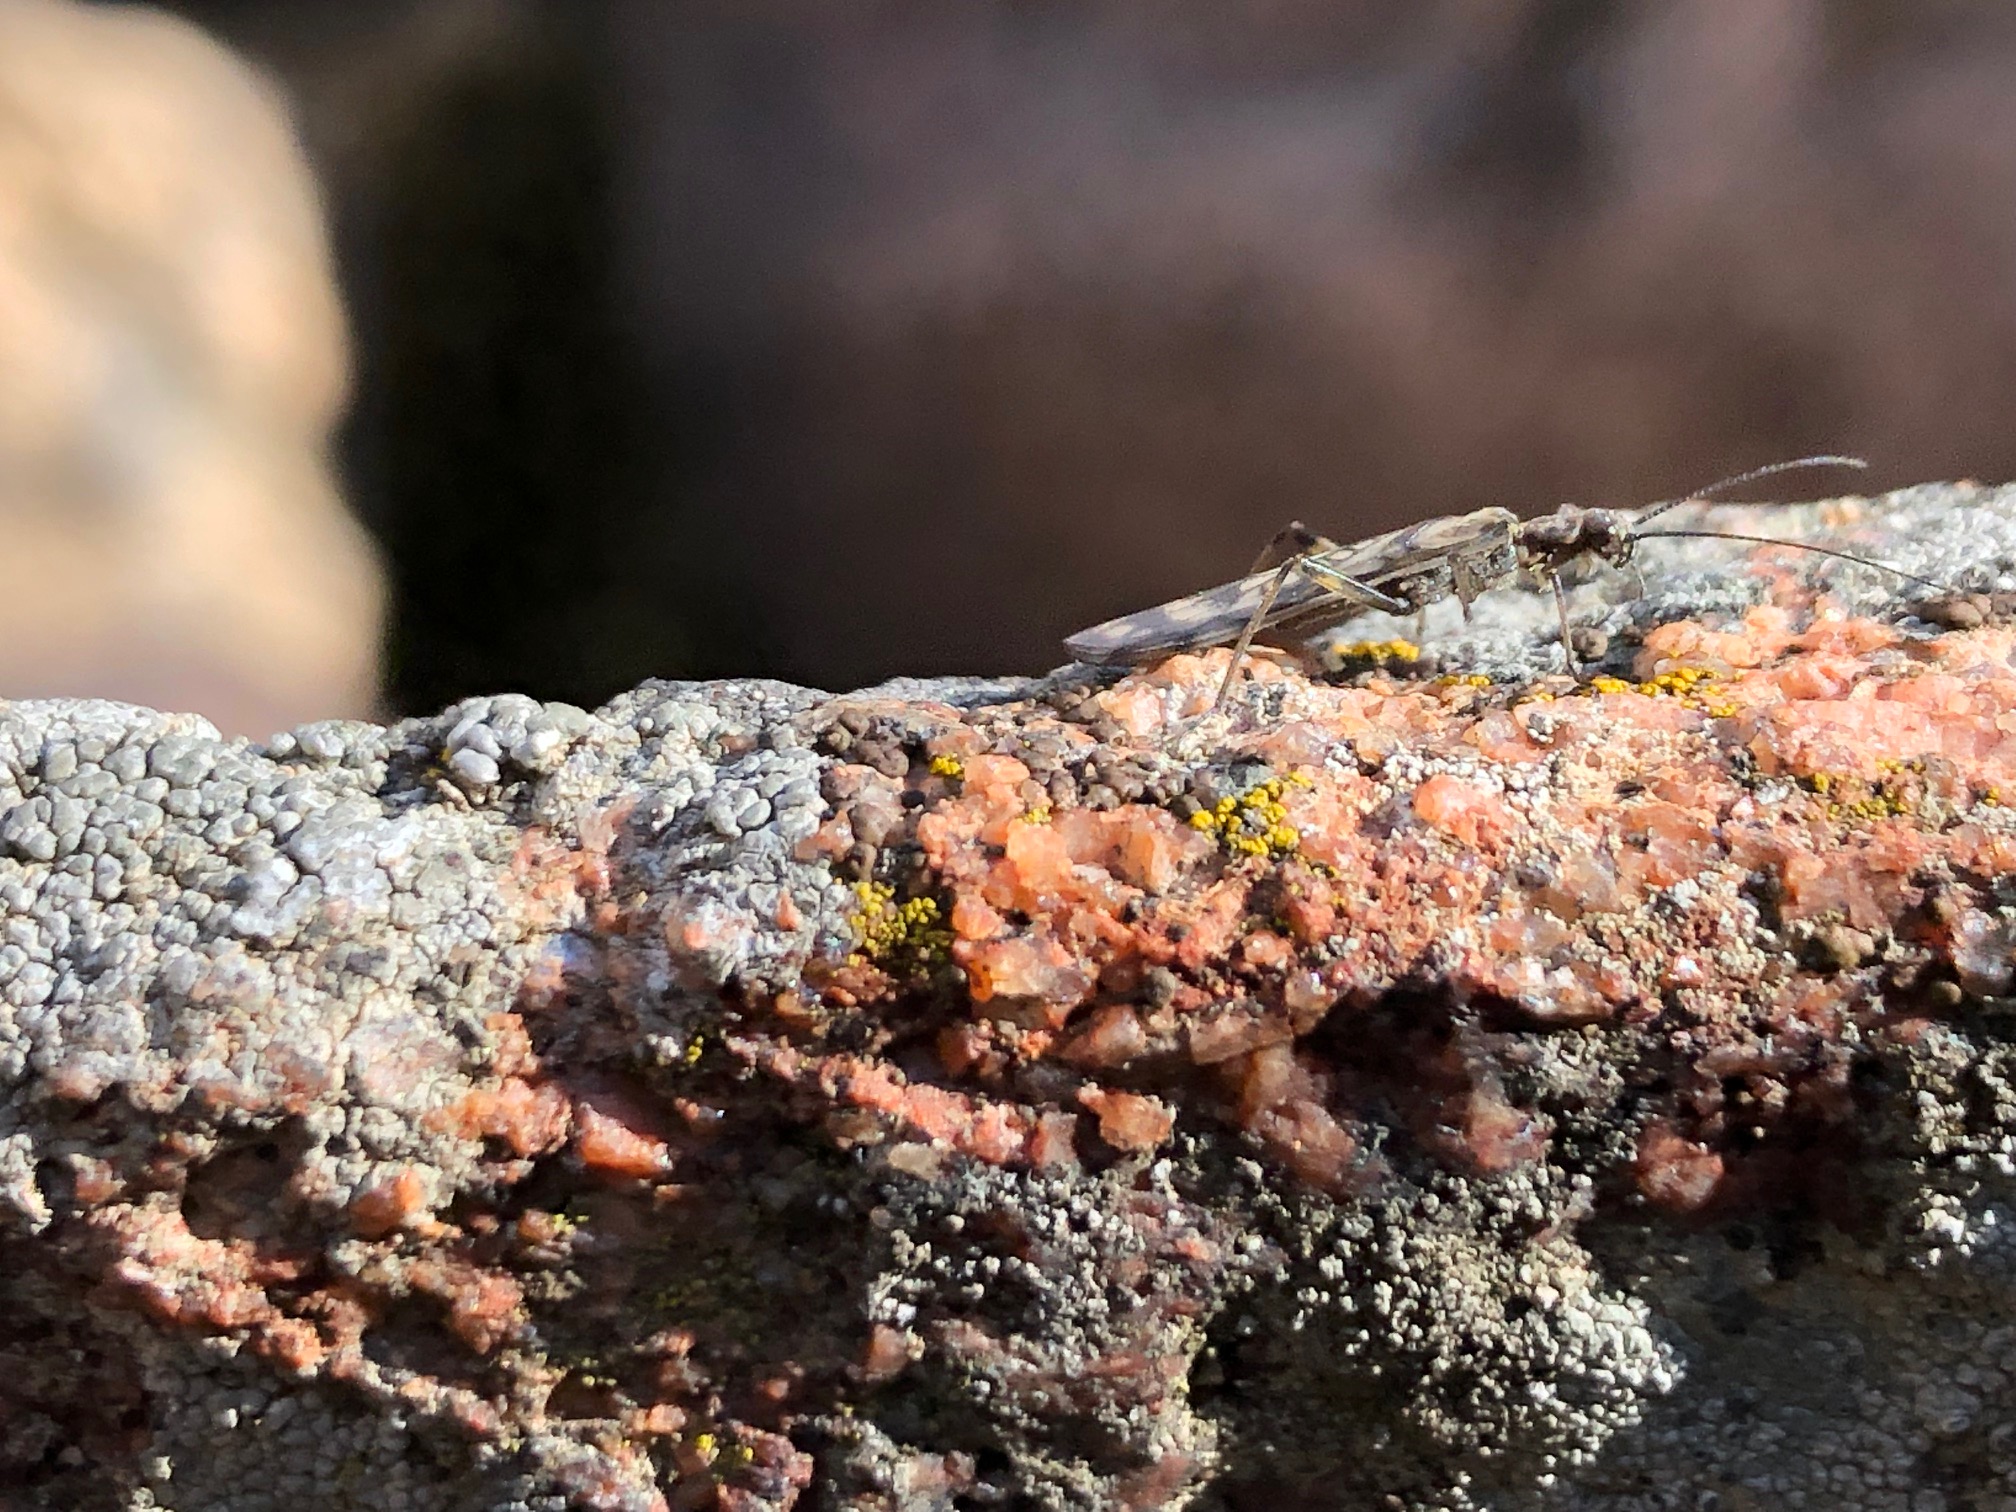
{"points": [[1652, 510], [1827, 551]]}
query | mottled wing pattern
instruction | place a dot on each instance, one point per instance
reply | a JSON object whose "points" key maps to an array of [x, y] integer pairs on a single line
{"points": [[1452, 535], [1216, 616], [1210, 618]]}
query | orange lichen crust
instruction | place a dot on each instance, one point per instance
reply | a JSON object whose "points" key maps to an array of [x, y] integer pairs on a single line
{"points": [[1383, 930], [1673, 857]]}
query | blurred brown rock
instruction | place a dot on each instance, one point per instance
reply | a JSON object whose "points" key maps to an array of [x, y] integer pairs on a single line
{"points": [[172, 357]]}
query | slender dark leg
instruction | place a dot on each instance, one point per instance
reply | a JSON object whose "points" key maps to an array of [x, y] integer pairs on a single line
{"points": [[1561, 609], [1467, 583], [1305, 539], [1253, 625], [1350, 589], [1311, 567]]}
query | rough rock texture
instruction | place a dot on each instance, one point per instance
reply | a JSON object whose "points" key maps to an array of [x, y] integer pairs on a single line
{"points": [[1441, 1085], [172, 361]]}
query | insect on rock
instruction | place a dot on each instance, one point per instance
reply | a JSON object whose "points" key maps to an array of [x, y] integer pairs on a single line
{"points": [[1321, 583]]}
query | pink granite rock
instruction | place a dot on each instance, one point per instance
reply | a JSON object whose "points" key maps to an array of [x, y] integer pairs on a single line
{"points": [[1473, 1088]]}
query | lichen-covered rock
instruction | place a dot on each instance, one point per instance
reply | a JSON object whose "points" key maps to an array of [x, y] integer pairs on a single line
{"points": [[1445, 1085]]}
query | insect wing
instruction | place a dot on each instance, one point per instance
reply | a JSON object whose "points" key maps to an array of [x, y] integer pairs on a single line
{"points": [[1216, 616], [1210, 618], [1480, 535]]}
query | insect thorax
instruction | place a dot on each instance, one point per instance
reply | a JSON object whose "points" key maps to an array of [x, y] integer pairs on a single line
{"points": [[1422, 585], [1461, 555], [1493, 562]]}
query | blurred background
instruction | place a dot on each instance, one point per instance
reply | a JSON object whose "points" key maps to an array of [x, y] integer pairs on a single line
{"points": [[355, 358]]}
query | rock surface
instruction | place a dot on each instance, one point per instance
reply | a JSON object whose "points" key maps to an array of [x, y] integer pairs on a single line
{"points": [[174, 360], [1443, 1085]]}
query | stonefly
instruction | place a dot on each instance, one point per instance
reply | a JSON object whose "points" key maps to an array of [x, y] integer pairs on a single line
{"points": [[1321, 583]]}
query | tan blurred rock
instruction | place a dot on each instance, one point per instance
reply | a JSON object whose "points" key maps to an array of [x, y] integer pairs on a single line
{"points": [[172, 358]]}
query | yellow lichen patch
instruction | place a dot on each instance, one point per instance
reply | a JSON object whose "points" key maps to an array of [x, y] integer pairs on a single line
{"points": [[1850, 800], [1039, 814], [947, 766], [1463, 680], [1869, 808], [1697, 687], [909, 934], [1255, 823], [717, 1455], [1386, 653]]}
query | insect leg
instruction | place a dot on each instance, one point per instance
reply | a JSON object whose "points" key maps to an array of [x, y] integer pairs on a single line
{"points": [[1253, 625], [1468, 586], [1305, 539], [1311, 567], [1561, 609], [1351, 588]]}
